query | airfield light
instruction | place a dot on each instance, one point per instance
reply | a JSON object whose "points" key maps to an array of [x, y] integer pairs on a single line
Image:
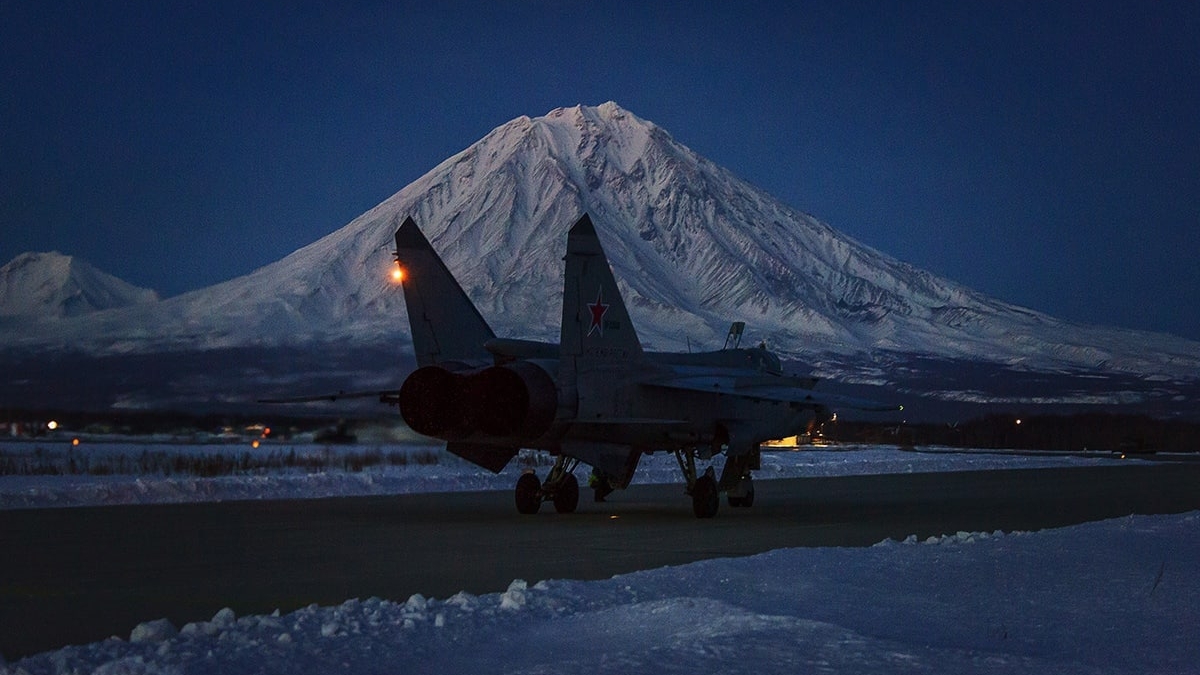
{"points": [[1018, 422], [74, 441], [52, 425], [254, 444]]}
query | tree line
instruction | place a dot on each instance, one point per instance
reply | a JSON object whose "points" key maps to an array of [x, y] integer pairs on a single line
{"points": [[1095, 431]]}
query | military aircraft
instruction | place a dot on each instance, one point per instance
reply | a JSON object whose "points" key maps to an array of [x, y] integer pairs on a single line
{"points": [[596, 397]]}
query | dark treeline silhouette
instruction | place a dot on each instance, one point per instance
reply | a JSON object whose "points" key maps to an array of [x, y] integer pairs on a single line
{"points": [[147, 422], [1086, 431], [1075, 433]]}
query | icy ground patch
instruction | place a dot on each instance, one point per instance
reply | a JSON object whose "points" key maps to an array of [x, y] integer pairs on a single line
{"points": [[448, 474], [1111, 597]]}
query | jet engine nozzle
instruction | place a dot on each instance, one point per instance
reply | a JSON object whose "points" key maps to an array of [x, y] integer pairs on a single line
{"points": [[516, 400], [430, 403], [513, 401]]}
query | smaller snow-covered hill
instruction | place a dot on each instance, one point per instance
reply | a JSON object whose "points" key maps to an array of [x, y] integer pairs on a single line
{"points": [[53, 285]]}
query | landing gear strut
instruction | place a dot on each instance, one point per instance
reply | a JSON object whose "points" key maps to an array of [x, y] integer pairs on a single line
{"points": [[736, 481], [706, 497], [560, 487], [742, 494], [706, 491]]}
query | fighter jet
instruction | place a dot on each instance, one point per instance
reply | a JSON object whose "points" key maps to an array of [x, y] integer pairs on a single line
{"points": [[596, 397]]}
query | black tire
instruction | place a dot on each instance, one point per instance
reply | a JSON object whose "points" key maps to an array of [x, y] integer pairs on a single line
{"points": [[566, 497], [706, 499], [528, 494]]}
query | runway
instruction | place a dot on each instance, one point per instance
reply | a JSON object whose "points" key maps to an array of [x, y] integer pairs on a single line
{"points": [[70, 576]]}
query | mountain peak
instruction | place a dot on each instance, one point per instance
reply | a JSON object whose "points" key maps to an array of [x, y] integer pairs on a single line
{"points": [[606, 119], [606, 112], [693, 248], [51, 284]]}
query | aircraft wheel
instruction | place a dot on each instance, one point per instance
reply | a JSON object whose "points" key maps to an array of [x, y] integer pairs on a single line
{"points": [[706, 499], [529, 499], [566, 497]]}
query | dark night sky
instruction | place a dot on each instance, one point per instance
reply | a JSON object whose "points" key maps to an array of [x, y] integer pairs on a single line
{"points": [[1044, 153]]}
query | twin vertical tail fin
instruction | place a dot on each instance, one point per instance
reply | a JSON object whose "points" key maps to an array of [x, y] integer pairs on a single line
{"points": [[446, 326], [595, 323], [600, 355]]}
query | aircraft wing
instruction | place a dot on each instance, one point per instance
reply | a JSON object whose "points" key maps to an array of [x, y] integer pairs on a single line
{"points": [[770, 389]]}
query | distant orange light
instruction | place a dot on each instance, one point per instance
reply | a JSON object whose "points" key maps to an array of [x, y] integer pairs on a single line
{"points": [[254, 444], [397, 275], [266, 432], [74, 441]]}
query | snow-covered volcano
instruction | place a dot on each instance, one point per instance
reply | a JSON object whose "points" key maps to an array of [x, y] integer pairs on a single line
{"points": [[693, 246]]}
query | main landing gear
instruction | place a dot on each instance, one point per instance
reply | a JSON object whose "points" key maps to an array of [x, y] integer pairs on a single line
{"points": [[706, 491], [736, 480], [706, 498], [560, 487]]}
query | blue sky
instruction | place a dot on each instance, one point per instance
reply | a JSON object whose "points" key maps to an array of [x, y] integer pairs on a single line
{"points": [[1044, 153]]}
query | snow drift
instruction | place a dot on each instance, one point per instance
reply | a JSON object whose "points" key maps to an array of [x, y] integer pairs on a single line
{"points": [[1110, 597]]}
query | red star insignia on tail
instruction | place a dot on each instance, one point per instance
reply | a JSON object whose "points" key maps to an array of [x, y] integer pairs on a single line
{"points": [[598, 309]]}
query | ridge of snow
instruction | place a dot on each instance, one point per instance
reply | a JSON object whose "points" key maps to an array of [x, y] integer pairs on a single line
{"points": [[1115, 596]]}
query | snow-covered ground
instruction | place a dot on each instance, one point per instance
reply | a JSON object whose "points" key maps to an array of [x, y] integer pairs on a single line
{"points": [[1113, 597], [1119, 596], [448, 473]]}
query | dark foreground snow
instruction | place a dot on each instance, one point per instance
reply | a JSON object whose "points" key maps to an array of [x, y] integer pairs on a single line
{"points": [[1119, 596]]}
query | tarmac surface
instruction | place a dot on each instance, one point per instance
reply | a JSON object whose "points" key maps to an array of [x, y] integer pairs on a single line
{"points": [[77, 575]]}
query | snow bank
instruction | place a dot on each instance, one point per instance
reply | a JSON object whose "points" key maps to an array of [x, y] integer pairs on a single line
{"points": [[1111, 597]]}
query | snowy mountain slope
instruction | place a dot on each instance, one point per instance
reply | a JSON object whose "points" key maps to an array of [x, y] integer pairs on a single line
{"points": [[56, 285], [693, 246]]}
